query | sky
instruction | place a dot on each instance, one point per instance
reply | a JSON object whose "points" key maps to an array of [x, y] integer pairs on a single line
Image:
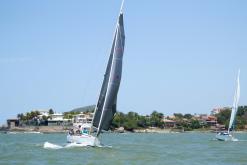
{"points": [[180, 56]]}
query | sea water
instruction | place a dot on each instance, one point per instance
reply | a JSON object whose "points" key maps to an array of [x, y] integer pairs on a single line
{"points": [[126, 148]]}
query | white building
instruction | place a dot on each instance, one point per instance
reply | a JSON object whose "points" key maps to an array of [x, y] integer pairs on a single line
{"points": [[56, 116], [57, 119], [84, 120], [44, 112], [218, 110]]}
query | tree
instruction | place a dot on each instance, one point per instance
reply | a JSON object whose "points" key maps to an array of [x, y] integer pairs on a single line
{"points": [[130, 125], [67, 115], [20, 116], [70, 115], [118, 120], [156, 119], [178, 115], [142, 122], [241, 110], [132, 115], [195, 124], [223, 117], [33, 114], [188, 116], [45, 118], [28, 116], [240, 122]]}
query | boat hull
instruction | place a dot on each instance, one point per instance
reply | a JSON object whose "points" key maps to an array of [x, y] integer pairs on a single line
{"points": [[84, 139], [225, 137]]}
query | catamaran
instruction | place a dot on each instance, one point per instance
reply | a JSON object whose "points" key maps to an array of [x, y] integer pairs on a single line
{"points": [[228, 136], [107, 101]]}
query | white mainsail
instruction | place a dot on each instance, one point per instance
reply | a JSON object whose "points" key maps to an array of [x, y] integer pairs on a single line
{"points": [[235, 104]]}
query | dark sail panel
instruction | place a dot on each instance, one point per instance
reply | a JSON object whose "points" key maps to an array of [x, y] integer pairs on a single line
{"points": [[106, 106], [100, 103]]}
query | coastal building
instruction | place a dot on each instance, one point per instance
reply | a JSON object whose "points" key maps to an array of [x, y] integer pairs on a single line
{"points": [[218, 127], [169, 123], [57, 116], [83, 119], [12, 123], [211, 121], [43, 112], [172, 117], [57, 119], [205, 119], [217, 110]]}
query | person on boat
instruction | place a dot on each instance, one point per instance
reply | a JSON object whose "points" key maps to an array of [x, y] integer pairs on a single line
{"points": [[71, 131], [79, 130], [85, 131]]}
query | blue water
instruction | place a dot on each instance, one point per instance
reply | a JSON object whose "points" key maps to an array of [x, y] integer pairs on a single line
{"points": [[129, 148]]}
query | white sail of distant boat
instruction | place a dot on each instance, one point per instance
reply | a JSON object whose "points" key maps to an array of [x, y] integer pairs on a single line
{"points": [[235, 105], [107, 101], [227, 136]]}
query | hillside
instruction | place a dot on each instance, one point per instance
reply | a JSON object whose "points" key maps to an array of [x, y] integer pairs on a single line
{"points": [[84, 109]]}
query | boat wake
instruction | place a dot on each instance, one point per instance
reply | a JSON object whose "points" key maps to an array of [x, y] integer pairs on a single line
{"points": [[233, 140], [48, 145], [241, 140]]}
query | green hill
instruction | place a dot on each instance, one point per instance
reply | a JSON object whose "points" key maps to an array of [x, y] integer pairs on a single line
{"points": [[84, 109]]}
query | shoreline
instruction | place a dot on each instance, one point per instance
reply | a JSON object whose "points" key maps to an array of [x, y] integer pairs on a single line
{"points": [[61, 129], [38, 129]]}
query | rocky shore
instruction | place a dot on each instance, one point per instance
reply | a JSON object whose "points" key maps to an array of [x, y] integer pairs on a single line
{"points": [[61, 129], [41, 129]]}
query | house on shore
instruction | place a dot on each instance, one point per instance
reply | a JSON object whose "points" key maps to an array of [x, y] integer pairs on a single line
{"points": [[169, 123], [83, 119], [13, 123], [43, 112], [57, 119]]}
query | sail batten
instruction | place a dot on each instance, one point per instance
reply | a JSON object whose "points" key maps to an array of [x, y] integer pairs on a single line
{"points": [[106, 104]]}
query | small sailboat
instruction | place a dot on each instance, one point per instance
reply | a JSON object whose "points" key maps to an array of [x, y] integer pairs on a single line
{"points": [[228, 136], [107, 101]]}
